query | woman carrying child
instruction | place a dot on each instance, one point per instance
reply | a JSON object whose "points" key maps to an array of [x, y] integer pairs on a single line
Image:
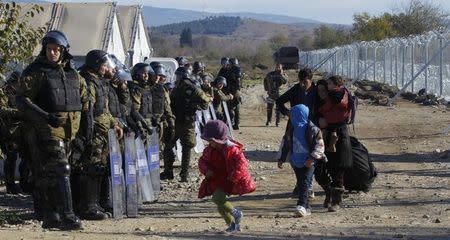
{"points": [[335, 112]]}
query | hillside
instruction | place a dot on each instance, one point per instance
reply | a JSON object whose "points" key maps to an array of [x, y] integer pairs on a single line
{"points": [[162, 16], [218, 25]]}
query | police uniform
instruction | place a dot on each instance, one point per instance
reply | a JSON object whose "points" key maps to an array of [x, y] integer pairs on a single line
{"points": [[53, 96], [186, 99], [272, 84], [234, 88]]}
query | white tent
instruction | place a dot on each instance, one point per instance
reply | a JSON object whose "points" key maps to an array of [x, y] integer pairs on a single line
{"points": [[135, 33], [91, 26]]}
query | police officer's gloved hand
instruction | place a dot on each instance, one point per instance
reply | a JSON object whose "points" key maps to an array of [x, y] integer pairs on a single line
{"points": [[53, 120]]}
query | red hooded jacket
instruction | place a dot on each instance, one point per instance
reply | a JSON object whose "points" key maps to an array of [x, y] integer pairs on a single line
{"points": [[336, 113], [230, 168]]}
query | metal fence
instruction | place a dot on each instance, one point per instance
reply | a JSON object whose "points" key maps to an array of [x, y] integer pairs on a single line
{"points": [[412, 64]]}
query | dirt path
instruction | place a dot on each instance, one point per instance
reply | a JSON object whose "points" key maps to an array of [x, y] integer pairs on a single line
{"points": [[410, 198]]}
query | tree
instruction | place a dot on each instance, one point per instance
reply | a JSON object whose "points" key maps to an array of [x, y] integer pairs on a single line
{"points": [[367, 28], [18, 38], [418, 17], [186, 37], [277, 41], [326, 37], [306, 43]]}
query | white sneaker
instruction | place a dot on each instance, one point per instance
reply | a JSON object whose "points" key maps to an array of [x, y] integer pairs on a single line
{"points": [[301, 211]]}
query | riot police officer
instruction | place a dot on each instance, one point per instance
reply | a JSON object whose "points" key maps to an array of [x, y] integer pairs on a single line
{"points": [[94, 166], [186, 99], [53, 96], [219, 96], [142, 99], [10, 131], [234, 87], [272, 83]]}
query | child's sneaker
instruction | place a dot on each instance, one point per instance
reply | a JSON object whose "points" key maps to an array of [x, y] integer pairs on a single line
{"points": [[234, 227], [237, 214], [301, 211]]}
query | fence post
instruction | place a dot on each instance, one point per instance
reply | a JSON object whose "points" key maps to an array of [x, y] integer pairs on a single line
{"points": [[441, 66], [412, 66], [390, 65], [403, 64], [384, 64], [365, 63], [396, 65], [375, 64], [426, 70]]}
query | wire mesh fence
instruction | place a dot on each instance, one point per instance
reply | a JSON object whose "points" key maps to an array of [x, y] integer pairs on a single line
{"points": [[412, 64]]}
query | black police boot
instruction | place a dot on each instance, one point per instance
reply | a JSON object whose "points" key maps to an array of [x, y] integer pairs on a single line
{"points": [[38, 204], [68, 219], [269, 116], [10, 170], [169, 159], [89, 206], [105, 195], [185, 160], [51, 220], [277, 118]]}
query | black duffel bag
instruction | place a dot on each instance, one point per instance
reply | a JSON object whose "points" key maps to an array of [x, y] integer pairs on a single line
{"points": [[363, 173]]}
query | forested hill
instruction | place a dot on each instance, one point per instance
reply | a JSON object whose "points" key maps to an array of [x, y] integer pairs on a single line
{"points": [[218, 25]]}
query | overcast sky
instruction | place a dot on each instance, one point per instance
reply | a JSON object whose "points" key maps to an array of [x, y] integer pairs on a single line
{"points": [[331, 11]]}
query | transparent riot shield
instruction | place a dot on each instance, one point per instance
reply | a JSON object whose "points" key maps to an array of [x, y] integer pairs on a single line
{"points": [[199, 147], [145, 189], [206, 115], [153, 163], [227, 115], [117, 179], [213, 112], [131, 176], [199, 117]]}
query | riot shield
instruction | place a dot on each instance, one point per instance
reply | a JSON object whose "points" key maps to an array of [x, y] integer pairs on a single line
{"points": [[130, 176], [206, 115], [199, 117], [145, 189], [153, 163], [213, 112], [227, 115], [200, 145], [117, 179]]}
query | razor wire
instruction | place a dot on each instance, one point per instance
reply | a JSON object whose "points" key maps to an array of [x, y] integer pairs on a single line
{"points": [[417, 62]]}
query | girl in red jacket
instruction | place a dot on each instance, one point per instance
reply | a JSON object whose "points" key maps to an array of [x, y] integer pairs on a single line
{"points": [[226, 172]]}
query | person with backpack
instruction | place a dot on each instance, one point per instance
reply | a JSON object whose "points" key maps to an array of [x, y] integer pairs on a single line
{"points": [[306, 148], [336, 114]]}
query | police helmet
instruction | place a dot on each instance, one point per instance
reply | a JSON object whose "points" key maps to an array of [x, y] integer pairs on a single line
{"points": [[55, 37], [182, 72], [181, 61], [234, 61], [220, 80], [224, 61], [95, 58], [198, 66], [140, 68]]}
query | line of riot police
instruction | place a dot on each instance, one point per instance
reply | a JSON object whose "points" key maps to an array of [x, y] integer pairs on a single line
{"points": [[57, 119]]}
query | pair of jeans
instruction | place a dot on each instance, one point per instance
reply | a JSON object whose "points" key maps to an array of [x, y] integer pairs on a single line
{"points": [[310, 182], [304, 177]]}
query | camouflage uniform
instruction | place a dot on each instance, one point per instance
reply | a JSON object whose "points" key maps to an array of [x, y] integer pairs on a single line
{"points": [[272, 84], [142, 108], [186, 99], [234, 88], [58, 90], [9, 139], [219, 97]]}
